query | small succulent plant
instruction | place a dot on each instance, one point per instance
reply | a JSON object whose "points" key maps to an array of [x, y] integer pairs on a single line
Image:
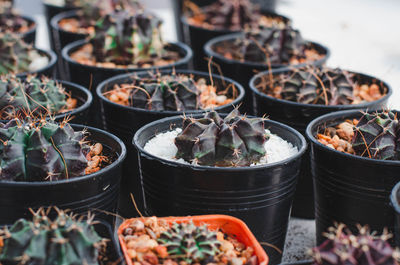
{"points": [[64, 240], [233, 141], [190, 243], [377, 135], [344, 248], [40, 150], [32, 95], [14, 54], [125, 38]]}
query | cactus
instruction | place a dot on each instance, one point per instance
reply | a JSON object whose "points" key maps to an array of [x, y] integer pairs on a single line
{"points": [[41, 151], [190, 243], [375, 136], [14, 54], [34, 95], [64, 240], [125, 38], [342, 247], [233, 141]]}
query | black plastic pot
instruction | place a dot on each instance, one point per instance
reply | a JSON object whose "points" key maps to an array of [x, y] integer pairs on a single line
{"points": [[91, 76], [62, 37], [394, 198], [303, 262], [49, 69], [196, 37], [124, 121], [349, 189], [84, 97], [90, 192], [298, 116], [244, 71], [30, 35], [259, 195]]}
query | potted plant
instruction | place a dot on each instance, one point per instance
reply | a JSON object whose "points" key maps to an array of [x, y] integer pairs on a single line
{"points": [[54, 236], [200, 239], [394, 199], [17, 57], [47, 163], [42, 96], [297, 96], [354, 168], [243, 54], [130, 101], [136, 46], [245, 167], [11, 21], [200, 24]]}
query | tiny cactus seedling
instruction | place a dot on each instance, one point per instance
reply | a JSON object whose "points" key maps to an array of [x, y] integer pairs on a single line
{"points": [[190, 243], [344, 248], [233, 141], [65, 240], [14, 54], [376, 136], [34, 95], [43, 150]]}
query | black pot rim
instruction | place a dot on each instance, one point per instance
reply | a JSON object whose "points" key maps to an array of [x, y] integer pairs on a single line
{"points": [[342, 114], [66, 14], [114, 164], [31, 21], [52, 61], [184, 20], [84, 106], [298, 155], [210, 53], [111, 80], [316, 106], [74, 45], [393, 198]]}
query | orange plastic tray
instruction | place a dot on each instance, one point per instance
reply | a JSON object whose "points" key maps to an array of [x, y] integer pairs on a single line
{"points": [[229, 225]]}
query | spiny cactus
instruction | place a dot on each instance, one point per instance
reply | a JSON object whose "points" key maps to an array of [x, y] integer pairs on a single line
{"points": [[125, 38], [190, 243], [375, 136], [64, 240], [41, 151], [233, 141], [14, 54], [344, 248], [34, 95]]}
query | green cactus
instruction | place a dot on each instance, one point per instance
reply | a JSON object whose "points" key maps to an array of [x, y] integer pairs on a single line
{"points": [[41, 151], [33, 95], [14, 54], [125, 38], [190, 243], [376, 136], [233, 141], [64, 240]]}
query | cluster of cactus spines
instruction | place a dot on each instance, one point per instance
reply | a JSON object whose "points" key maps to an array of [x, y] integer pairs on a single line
{"points": [[34, 95], [318, 86], [233, 141], [41, 150], [168, 92], [344, 248], [14, 54], [190, 243], [65, 240], [273, 45], [124, 38], [376, 135]]}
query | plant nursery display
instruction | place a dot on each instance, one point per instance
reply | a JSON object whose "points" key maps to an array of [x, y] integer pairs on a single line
{"points": [[189, 240], [40, 150], [44, 239], [174, 92], [33, 96], [364, 247]]}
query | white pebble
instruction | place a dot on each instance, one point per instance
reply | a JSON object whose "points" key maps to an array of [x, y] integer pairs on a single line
{"points": [[38, 61]]}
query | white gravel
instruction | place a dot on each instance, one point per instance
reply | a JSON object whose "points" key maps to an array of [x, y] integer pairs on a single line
{"points": [[163, 146], [38, 61]]}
